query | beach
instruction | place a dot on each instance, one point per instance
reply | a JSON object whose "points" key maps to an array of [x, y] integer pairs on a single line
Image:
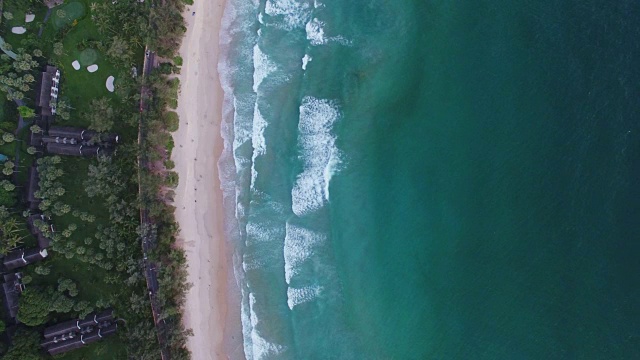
{"points": [[198, 200]]}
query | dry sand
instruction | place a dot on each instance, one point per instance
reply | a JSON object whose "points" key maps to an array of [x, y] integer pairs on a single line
{"points": [[198, 200]]}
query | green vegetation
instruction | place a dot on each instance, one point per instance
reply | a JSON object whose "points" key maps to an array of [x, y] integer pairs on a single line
{"points": [[67, 14], [95, 257]]}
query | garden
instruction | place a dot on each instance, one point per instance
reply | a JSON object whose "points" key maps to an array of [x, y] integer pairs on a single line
{"points": [[95, 257]]}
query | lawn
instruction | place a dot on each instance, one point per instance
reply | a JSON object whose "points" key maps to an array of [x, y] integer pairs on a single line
{"points": [[79, 36], [80, 86]]}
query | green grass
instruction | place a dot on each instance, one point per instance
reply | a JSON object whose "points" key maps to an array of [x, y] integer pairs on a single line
{"points": [[88, 57], [71, 12], [79, 88]]}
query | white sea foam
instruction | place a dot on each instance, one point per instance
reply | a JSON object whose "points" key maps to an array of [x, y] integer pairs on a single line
{"points": [[262, 66], [261, 348], [299, 244], [315, 32], [317, 145], [297, 296], [295, 13], [305, 60], [258, 140], [242, 133], [333, 166]]}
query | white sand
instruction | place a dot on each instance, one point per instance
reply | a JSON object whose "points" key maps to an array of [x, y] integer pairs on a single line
{"points": [[92, 68], [198, 201], [75, 64], [29, 18], [18, 30], [109, 84]]}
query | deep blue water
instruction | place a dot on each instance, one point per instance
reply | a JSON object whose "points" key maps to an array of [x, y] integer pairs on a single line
{"points": [[435, 179]]}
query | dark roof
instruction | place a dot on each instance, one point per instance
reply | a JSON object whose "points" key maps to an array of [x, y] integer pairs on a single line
{"points": [[43, 96], [12, 288], [81, 134], [58, 339], [43, 241], [32, 186], [57, 345], [95, 318], [74, 150], [76, 324], [61, 328], [34, 255], [66, 131], [35, 139], [66, 345], [19, 258], [44, 121], [61, 140]]}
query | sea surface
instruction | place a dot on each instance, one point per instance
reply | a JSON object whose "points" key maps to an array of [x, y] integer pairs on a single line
{"points": [[434, 179]]}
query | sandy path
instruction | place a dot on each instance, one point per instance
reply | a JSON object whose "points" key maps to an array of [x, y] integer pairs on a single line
{"points": [[198, 201]]}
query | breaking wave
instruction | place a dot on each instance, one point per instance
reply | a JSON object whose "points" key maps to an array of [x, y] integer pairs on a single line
{"points": [[317, 147]]}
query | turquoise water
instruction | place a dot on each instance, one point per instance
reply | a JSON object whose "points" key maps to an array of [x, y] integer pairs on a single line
{"points": [[434, 179]]}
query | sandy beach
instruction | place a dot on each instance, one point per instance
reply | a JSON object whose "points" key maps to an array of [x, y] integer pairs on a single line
{"points": [[198, 200]]}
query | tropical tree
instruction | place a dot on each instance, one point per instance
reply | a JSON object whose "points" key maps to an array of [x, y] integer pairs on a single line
{"points": [[10, 235], [31, 150], [58, 48], [8, 137], [25, 111], [34, 307], [35, 129], [25, 346], [7, 185], [102, 115]]}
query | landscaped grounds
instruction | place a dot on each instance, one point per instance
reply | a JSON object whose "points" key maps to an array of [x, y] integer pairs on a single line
{"points": [[95, 258]]}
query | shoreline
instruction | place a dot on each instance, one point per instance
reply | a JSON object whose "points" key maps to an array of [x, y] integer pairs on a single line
{"points": [[198, 201]]}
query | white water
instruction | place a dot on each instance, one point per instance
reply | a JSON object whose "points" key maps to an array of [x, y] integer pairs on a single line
{"points": [[299, 244], [316, 144], [294, 13], [297, 296]]}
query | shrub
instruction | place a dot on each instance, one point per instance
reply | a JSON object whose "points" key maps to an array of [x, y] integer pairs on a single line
{"points": [[178, 59], [172, 121], [172, 179], [7, 126]]}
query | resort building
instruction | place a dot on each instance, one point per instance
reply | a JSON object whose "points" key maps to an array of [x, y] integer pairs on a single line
{"points": [[20, 257], [47, 92], [72, 141], [12, 287], [75, 150], [33, 186], [74, 334]]}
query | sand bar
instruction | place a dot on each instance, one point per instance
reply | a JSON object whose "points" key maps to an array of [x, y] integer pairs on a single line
{"points": [[198, 201]]}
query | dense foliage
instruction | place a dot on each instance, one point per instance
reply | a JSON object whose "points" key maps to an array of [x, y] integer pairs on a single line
{"points": [[94, 205]]}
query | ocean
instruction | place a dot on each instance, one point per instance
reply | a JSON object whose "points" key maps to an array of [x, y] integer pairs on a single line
{"points": [[428, 179]]}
